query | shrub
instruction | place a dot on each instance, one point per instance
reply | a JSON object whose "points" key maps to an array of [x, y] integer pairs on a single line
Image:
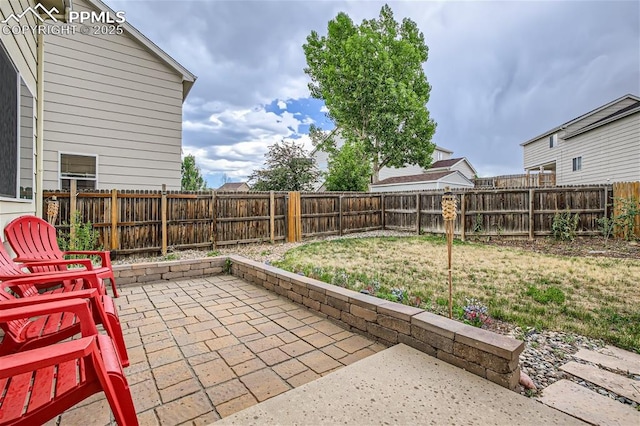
{"points": [[629, 209], [85, 238], [565, 225]]}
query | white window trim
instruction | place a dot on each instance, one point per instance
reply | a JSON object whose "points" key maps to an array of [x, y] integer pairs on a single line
{"points": [[575, 161], [60, 177], [17, 198]]}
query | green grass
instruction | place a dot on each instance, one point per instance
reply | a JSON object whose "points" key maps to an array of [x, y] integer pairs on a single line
{"points": [[595, 297]]}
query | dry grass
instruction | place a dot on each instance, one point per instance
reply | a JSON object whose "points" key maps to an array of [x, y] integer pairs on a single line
{"points": [[596, 297]]}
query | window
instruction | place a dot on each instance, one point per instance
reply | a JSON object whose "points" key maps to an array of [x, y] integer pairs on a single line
{"points": [[553, 140], [16, 132], [82, 168], [577, 164]]}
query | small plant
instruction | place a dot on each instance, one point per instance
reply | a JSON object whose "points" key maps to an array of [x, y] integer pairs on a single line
{"points": [[340, 278], [171, 256], [85, 237], [629, 209], [399, 294], [477, 226], [605, 225], [227, 266], [565, 226], [476, 313], [213, 253]]}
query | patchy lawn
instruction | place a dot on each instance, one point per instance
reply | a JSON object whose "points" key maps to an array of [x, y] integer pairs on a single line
{"points": [[594, 296]]}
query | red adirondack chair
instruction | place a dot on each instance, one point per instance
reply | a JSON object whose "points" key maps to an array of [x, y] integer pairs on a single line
{"points": [[58, 317], [34, 239], [39, 384], [69, 280]]}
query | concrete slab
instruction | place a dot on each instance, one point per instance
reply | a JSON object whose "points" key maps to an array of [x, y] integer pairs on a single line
{"points": [[622, 354], [400, 385], [610, 359], [616, 383], [583, 403]]}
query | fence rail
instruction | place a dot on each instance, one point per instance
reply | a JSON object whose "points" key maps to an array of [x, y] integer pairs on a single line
{"points": [[153, 221]]}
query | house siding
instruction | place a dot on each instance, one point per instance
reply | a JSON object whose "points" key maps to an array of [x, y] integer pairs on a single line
{"points": [[109, 96], [388, 172], [610, 153], [454, 180], [22, 51], [413, 169], [464, 168], [538, 153]]}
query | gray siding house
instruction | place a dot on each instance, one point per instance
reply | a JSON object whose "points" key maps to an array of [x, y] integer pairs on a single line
{"points": [[599, 147], [21, 107], [113, 110]]}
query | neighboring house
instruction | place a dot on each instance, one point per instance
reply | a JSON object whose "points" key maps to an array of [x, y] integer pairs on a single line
{"points": [[113, 110], [599, 147], [234, 187], [429, 180], [414, 177], [21, 109]]}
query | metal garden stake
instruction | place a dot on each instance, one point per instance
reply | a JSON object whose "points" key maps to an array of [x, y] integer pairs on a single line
{"points": [[449, 204]]}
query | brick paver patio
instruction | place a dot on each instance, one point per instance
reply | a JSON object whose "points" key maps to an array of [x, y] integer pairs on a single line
{"points": [[206, 348]]}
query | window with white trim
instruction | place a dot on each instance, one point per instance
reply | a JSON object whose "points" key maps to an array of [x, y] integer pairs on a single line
{"points": [[16, 132], [82, 168], [553, 140], [577, 164]]}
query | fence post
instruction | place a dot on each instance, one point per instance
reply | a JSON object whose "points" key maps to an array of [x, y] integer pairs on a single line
{"points": [[114, 219], [163, 212], [531, 215], [340, 215], [214, 222], [73, 207], [418, 218], [606, 199], [382, 221], [463, 221], [272, 216], [294, 229]]}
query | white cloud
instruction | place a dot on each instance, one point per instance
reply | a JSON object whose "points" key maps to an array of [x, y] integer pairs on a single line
{"points": [[282, 104], [324, 109]]}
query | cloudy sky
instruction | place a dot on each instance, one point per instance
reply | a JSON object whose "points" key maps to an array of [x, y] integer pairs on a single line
{"points": [[501, 72]]}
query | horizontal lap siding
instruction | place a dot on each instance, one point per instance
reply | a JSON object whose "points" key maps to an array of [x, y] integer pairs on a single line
{"points": [[109, 96], [23, 53], [610, 153]]}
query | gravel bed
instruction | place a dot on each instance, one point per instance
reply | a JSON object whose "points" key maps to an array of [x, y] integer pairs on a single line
{"points": [[544, 353]]}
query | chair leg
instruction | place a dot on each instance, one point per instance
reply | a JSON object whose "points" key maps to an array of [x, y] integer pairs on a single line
{"points": [[118, 340], [122, 403], [113, 285]]}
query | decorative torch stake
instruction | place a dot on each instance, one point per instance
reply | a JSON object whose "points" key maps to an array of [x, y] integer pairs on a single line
{"points": [[52, 209], [449, 205]]}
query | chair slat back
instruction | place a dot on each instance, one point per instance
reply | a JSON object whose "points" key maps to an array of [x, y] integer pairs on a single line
{"points": [[34, 238]]}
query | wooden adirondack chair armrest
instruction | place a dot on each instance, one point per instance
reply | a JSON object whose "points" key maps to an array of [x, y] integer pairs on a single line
{"points": [[105, 255], [34, 359], [48, 298], [54, 262], [79, 307]]}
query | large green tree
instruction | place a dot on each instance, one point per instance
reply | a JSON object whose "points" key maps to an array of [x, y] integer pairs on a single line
{"points": [[288, 167], [349, 169], [192, 179], [370, 77]]}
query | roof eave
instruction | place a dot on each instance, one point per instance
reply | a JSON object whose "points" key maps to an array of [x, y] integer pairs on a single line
{"points": [[602, 123], [568, 123]]}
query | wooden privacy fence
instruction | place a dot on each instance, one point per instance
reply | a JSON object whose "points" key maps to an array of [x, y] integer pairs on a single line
{"points": [[147, 221], [626, 201], [512, 212]]}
